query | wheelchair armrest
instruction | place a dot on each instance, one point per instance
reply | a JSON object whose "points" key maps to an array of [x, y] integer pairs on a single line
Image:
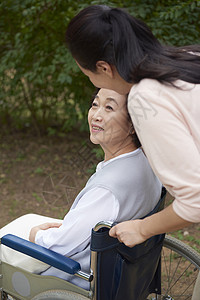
{"points": [[45, 255]]}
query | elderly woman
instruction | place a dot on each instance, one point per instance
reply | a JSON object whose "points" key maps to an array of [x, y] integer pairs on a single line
{"points": [[123, 187]]}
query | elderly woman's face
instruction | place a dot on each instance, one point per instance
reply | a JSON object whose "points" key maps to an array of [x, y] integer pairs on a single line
{"points": [[108, 120]]}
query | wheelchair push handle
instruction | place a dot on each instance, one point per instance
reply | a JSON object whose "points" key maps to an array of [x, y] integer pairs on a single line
{"points": [[45, 255], [103, 224]]}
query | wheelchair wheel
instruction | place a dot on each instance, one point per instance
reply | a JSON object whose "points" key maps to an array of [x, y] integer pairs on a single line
{"points": [[180, 268], [59, 295]]}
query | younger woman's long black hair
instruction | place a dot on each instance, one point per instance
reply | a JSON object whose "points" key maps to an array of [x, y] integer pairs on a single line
{"points": [[112, 35]]}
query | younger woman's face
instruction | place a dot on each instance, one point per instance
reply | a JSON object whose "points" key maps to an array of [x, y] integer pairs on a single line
{"points": [[108, 121], [101, 79]]}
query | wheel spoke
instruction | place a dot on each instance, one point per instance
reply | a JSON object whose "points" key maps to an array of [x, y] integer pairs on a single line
{"points": [[180, 267]]}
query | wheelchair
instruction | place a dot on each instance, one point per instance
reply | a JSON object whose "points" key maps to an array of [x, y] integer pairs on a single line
{"points": [[117, 272]]}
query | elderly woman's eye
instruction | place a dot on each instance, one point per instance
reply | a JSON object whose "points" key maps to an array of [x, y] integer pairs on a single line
{"points": [[109, 107], [94, 104]]}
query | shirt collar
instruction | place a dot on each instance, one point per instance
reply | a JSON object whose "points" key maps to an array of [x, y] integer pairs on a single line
{"points": [[103, 163]]}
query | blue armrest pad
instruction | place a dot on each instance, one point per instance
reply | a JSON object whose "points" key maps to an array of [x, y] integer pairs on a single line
{"points": [[45, 255]]}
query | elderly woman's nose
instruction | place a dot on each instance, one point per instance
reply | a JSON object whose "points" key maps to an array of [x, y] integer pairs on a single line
{"points": [[98, 114]]}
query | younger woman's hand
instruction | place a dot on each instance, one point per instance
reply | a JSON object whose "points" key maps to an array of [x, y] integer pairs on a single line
{"points": [[135, 232], [128, 232], [44, 226]]}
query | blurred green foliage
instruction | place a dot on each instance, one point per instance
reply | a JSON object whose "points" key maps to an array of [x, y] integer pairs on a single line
{"points": [[40, 85]]}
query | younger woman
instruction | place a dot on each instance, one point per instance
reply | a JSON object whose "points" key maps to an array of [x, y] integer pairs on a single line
{"points": [[119, 52]]}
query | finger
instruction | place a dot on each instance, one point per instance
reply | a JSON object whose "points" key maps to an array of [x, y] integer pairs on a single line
{"points": [[119, 239], [112, 232], [128, 243], [49, 225], [122, 238], [55, 224]]}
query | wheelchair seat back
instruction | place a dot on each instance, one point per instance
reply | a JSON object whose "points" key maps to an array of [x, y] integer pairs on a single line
{"points": [[127, 273]]}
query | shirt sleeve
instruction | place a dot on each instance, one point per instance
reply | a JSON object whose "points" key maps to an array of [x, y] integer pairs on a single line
{"points": [[73, 235], [169, 147]]}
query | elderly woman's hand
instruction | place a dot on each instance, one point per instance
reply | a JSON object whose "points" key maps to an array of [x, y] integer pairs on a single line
{"points": [[44, 226]]}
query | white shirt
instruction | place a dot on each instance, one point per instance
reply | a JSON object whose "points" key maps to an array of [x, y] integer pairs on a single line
{"points": [[74, 233], [73, 236]]}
